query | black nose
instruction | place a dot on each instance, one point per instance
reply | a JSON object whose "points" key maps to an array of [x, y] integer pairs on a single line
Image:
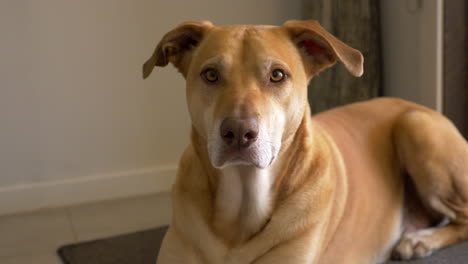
{"points": [[241, 132]]}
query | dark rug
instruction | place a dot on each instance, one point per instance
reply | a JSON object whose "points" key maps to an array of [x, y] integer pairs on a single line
{"points": [[143, 247], [134, 248]]}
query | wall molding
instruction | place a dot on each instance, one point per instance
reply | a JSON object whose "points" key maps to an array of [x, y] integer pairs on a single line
{"points": [[35, 196]]}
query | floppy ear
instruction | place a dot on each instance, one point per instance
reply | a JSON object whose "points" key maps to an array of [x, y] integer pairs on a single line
{"points": [[321, 49], [176, 45]]}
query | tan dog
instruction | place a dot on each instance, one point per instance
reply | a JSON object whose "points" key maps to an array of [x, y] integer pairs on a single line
{"points": [[262, 182]]}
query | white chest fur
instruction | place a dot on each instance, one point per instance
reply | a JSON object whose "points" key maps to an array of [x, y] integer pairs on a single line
{"points": [[243, 201]]}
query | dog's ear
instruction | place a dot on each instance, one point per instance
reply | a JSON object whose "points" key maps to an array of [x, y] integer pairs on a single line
{"points": [[321, 49], [176, 45]]}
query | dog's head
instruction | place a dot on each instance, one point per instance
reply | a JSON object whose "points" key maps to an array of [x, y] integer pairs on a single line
{"points": [[247, 85]]}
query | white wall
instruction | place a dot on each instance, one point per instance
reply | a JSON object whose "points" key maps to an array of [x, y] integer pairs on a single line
{"points": [[412, 50], [77, 122]]}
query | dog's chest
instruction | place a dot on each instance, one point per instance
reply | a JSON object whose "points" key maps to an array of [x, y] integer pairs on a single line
{"points": [[243, 203]]}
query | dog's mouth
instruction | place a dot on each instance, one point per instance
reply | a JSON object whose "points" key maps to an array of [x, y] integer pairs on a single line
{"points": [[255, 155], [243, 141]]}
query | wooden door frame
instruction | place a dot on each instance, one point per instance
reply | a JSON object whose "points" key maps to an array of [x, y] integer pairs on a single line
{"points": [[455, 65]]}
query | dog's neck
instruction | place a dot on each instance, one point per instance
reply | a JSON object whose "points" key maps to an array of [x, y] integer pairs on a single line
{"points": [[243, 202], [243, 197]]}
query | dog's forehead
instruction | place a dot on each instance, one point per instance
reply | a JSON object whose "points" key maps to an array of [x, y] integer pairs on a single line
{"points": [[240, 33], [240, 42]]}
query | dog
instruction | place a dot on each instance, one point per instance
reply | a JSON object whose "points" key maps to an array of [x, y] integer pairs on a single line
{"points": [[264, 182]]}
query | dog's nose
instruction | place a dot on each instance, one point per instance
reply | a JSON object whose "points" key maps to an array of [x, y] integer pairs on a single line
{"points": [[239, 131]]}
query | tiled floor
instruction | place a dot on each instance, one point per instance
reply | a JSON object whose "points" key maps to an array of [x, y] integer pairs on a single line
{"points": [[34, 237]]}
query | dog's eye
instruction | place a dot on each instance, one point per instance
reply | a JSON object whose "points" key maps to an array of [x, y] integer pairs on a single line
{"points": [[210, 75], [277, 75]]}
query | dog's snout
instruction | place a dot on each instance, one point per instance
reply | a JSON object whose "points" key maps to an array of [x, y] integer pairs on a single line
{"points": [[241, 132]]}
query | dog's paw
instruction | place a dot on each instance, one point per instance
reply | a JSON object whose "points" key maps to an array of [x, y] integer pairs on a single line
{"points": [[413, 246]]}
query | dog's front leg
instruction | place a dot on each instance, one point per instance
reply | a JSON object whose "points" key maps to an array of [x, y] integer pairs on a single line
{"points": [[300, 218], [300, 250], [273, 246], [173, 250], [193, 229]]}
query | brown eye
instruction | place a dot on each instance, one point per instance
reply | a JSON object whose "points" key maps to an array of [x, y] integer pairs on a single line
{"points": [[210, 75], [277, 75]]}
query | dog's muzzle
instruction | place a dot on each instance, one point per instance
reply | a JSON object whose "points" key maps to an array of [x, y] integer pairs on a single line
{"points": [[238, 134], [240, 142]]}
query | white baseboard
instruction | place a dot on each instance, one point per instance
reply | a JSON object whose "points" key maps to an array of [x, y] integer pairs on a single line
{"points": [[29, 197]]}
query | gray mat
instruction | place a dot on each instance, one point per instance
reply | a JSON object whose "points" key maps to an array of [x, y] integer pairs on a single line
{"points": [[143, 247], [135, 248]]}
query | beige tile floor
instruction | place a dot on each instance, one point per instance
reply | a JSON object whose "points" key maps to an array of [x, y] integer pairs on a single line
{"points": [[33, 238]]}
